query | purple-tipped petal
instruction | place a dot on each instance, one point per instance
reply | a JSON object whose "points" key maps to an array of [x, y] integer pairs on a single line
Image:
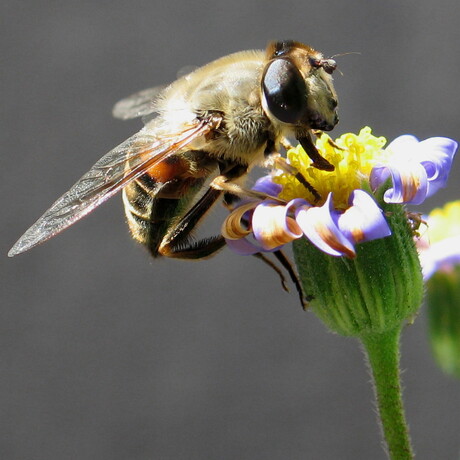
{"points": [[436, 156], [236, 228], [410, 184], [266, 185], [243, 247], [272, 227], [363, 220], [441, 255], [417, 169], [319, 225], [379, 175]]}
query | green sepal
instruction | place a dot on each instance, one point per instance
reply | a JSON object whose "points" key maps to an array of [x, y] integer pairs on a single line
{"points": [[443, 304], [373, 293]]}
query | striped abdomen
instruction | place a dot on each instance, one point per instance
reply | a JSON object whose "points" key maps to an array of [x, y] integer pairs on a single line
{"points": [[155, 201]]}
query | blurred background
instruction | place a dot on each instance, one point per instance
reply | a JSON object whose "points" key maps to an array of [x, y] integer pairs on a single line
{"points": [[108, 354]]}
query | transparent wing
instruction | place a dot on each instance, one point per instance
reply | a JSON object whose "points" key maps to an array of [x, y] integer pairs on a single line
{"points": [[110, 174], [138, 104], [142, 103]]}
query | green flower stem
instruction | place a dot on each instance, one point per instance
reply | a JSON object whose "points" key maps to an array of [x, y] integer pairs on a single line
{"points": [[383, 355], [370, 297]]}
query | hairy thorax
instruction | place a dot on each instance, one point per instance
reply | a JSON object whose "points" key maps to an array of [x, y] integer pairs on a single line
{"points": [[230, 88]]}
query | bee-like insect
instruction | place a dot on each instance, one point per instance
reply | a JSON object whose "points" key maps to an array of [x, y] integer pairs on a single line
{"points": [[202, 133]]}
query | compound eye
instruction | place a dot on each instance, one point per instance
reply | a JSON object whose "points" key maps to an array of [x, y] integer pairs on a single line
{"points": [[285, 91]]}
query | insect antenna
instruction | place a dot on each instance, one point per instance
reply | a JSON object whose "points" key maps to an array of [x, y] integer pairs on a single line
{"points": [[344, 54]]}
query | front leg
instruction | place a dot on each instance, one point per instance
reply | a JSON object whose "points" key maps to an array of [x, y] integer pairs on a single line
{"points": [[222, 183], [284, 141], [276, 161], [318, 133]]}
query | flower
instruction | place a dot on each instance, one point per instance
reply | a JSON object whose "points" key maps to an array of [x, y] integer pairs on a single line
{"points": [[378, 286], [439, 249], [337, 209], [439, 246]]}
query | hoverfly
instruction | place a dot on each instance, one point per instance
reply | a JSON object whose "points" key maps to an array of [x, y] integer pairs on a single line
{"points": [[202, 135]]}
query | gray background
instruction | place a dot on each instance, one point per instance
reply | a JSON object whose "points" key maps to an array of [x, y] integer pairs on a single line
{"points": [[107, 354]]}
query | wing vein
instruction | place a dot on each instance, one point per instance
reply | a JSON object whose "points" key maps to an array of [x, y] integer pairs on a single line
{"points": [[107, 176]]}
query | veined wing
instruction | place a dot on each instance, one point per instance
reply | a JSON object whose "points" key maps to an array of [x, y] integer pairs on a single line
{"points": [[138, 104], [107, 177]]}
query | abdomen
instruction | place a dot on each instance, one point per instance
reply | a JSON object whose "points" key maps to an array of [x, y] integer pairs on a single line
{"points": [[157, 200]]}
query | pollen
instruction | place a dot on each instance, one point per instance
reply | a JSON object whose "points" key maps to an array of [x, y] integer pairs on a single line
{"points": [[353, 157]]}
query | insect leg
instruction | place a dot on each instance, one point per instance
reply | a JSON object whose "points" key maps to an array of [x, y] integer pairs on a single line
{"points": [[267, 261], [177, 244], [286, 144], [318, 133], [279, 162], [286, 263], [223, 184]]}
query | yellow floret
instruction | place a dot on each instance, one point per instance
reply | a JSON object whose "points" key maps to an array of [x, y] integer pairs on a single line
{"points": [[444, 222], [353, 157]]}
